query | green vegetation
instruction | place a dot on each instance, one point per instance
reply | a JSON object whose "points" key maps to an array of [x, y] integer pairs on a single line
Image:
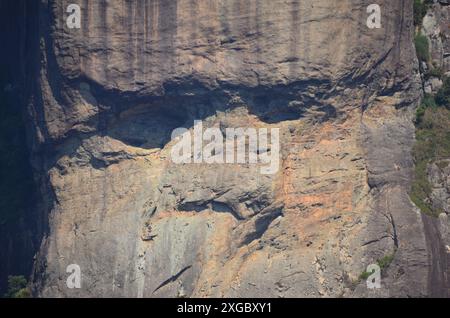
{"points": [[443, 96], [435, 72], [386, 261], [427, 102], [422, 47], [421, 41], [364, 276], [432, 144], [382, 262], [420, 10], [17, 287], [443, 164], [432, 121]]}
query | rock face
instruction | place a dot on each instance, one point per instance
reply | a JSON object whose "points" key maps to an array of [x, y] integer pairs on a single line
{"points": [[435, 26], [439, 175], [109, 95], [436, 29]]}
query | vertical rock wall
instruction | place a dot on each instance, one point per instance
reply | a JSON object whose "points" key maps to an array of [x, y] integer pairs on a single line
{"points": [[109, 95]]}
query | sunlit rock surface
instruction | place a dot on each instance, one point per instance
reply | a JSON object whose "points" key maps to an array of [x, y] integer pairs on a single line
{"points": [[110, 94]]}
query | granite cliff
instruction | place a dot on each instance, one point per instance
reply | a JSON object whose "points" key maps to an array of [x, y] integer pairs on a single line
{"points": [[104, 99]]}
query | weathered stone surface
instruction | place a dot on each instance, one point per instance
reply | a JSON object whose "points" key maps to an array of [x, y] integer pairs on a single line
{"points": [[343, 96], [433, 85], [436, 29], [439, 175]]}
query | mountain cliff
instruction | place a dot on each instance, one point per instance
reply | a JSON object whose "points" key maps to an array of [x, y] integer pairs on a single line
{"points": [[104, 99]]}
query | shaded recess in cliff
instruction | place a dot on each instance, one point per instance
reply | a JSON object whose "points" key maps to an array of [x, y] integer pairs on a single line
{"points": [[19, 223]]}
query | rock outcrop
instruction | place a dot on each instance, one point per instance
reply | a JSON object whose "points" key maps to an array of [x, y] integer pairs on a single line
{"points": [[109, 95], [436, 28], [439, 175]]}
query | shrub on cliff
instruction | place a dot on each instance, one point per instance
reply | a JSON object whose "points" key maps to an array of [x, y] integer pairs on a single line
{"points": [[443, 96], [420, 10], [427, 102], [422, 47], [17, 287], [432, 144]]}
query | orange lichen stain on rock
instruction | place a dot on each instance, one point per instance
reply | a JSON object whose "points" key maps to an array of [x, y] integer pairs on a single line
{"points": [[172, 214], [218, 246], [287, 177], [323, 203], [382, 111], [310, 197], [219, 241], [245, 263]]}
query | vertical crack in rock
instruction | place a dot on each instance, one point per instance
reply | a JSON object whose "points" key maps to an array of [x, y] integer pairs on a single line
{"points": [[172, 279]]}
